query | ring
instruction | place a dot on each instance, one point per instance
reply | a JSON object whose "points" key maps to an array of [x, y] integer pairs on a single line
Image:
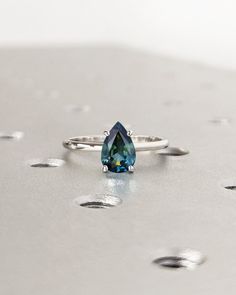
{"points": [[118, 147]]}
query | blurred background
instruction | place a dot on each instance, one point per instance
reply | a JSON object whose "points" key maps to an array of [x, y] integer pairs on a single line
{"points": [[197, 30], [78, 67]]}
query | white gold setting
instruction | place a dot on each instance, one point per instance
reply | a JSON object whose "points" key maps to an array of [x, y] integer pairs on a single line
{"points": [[142, 143]]}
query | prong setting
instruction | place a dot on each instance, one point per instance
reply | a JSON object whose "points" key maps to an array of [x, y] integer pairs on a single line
{"points": [[105, 169], [106, 133], [131, 169], [129, 133]]}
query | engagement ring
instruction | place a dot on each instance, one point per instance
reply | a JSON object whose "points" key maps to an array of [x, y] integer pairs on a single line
{"points": [[118, 147]]}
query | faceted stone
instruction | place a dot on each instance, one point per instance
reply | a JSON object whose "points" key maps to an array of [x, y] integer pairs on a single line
{"points": [[118, 151]]}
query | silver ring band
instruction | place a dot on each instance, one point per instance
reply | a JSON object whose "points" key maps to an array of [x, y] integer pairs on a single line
{"points": [[94, 143]]}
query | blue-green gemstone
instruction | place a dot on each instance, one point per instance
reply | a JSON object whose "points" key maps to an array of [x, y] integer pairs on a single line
{"points": [[118, 151]]}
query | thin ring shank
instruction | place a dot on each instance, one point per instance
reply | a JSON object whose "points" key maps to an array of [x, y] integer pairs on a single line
{"points": [[95, 142]]}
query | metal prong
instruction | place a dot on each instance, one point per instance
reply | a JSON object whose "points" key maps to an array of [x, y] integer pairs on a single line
{"points": [[130, 133], [106, 133], [105, 169], [131, 169]]}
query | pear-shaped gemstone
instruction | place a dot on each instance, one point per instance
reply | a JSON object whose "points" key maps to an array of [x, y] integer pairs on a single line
{"points": [[118, 151]]}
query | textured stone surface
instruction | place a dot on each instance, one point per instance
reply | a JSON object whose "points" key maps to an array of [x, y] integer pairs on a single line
{"points": [[48, 245]]}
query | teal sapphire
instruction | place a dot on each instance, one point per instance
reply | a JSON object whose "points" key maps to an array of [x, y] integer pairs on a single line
{"points": [[118, 151]]}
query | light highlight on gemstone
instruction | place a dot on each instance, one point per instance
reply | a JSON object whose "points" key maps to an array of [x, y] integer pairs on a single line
{"points": [[118, 151]]}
